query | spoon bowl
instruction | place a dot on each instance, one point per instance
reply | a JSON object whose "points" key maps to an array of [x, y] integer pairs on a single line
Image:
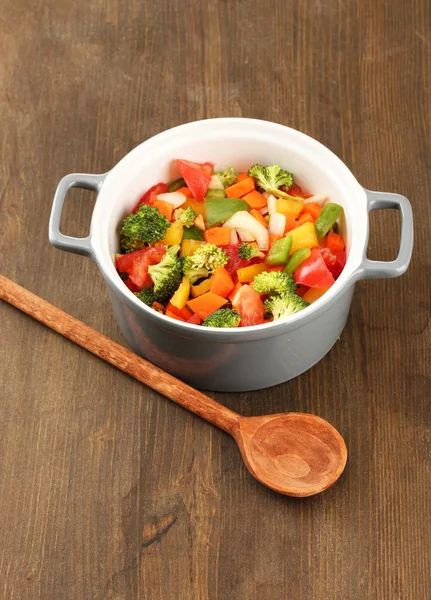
{"points": [[292, 453]]}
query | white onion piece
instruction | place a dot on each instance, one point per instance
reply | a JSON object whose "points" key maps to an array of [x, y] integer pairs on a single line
{"points": [[233, 237], [277, 224], [264, 211], [215, 183], [245, 236], [174, 198], [244, 221], [319, 198], [272, 204]]}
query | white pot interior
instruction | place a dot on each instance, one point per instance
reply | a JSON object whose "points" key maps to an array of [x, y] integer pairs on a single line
{"points": [[228, 142]]}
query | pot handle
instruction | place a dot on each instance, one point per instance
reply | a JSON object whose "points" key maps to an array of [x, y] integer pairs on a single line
{"points": [[374, 269], [58, 239]]}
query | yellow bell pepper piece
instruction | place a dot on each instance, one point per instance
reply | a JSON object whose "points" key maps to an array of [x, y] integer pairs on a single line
{"points": [[179, 299], [202, 288], [247, 274], [190, 246], [198, 207], [314, 294], [290, 207], [174, 235], [303, 236]]}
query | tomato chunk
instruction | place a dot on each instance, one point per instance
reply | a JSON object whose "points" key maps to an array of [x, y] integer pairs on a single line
{"points": [[335, 261], [150, 196], [249, 305], [197, 176]]}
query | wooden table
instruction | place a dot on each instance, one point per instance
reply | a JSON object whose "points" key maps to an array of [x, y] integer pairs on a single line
{"points": [[110, 492]]}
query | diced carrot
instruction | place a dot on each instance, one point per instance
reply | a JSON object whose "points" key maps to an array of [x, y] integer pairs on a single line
{"points": [[313, 294], [313, 208], [335, 242], [220, 236], [259, 217], [199, 222], [186, 191], [273, 237], [237, 190], [169, 313], [290, 223], [234, 291], [241, 177], [247, 274], [206, 304], [221, 282], [165, 208], [184, 313], [255, 199], [195, 319], [304, 218]]}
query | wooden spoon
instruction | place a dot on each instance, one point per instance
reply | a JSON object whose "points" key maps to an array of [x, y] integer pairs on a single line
{"points": [[293, 453]]}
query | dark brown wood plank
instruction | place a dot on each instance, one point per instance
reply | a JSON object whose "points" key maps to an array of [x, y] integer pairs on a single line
{"points": [[108, 491]]}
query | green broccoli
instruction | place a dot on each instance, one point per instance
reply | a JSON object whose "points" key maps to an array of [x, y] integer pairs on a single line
{"points": [[227, 177], [249, 251], [204, 261], [274, 282], [285, 305], [145, 227], [271, 178], [185, 216], [223, 317], [166, 275], [147, 296]]}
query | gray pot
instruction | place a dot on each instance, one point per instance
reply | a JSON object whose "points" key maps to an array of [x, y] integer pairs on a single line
{"points": [[248, 358]]}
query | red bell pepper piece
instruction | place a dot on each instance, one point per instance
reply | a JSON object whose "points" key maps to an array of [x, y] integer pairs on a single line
{"points": [[150, 196], [313, 272]]}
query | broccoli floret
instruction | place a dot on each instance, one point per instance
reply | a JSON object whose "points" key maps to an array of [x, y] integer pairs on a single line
{"points": [[223, 317], [274, 282], [145, 227], [249, 251], [285, 305], [204, 261], [271, 178], [185, 216], [227, 177], [147, 296], [166, 275]]}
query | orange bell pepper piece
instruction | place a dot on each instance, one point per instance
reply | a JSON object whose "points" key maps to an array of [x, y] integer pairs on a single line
{"points": [[206, 304]]}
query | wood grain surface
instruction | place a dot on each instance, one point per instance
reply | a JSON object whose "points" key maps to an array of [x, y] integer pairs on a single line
{"points": [[107, 490]]}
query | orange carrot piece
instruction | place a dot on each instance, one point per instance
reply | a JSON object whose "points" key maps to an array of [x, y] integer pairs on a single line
{"points": [[206, 304], [221, 282], [169, 313], [186, 191], [304, 218], [184, 313], [290, 223], [237, 190], [231, 296], [241, 177], [335, 242], [313, 208], [220, 236], [259, 217], [273, 237], [164, 208], [255, 199]]}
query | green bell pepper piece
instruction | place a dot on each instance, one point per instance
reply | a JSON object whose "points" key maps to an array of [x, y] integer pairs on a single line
{"points": [[176, 185], [193, 233], [279, 251], [220, 209], [327, 218], [297, 258], [215, 194]]}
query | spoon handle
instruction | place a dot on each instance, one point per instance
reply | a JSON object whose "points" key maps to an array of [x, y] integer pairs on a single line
{"points": [[117, 355]]}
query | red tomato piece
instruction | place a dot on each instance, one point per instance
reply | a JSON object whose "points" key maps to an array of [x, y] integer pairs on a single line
{"points": [[150, 196], [235, 262], [132, 287], [136, 264], [313, 272], [250, 306], [295, 190], [197, 176], [335, 261]]}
